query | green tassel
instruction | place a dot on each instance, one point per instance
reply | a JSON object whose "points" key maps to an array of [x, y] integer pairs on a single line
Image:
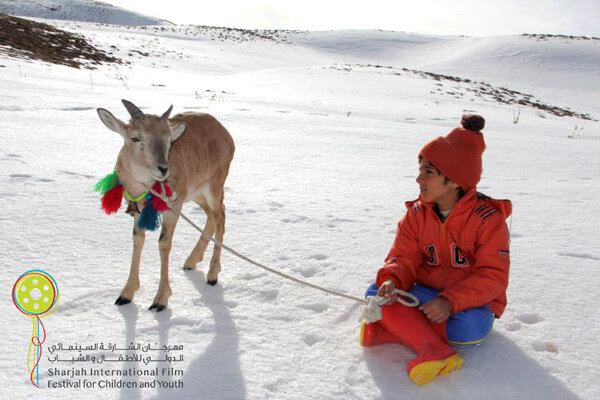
{"points": [[108, 182]]}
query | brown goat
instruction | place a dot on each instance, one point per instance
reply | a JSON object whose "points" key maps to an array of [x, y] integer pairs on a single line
{"points": [[194, 151]]}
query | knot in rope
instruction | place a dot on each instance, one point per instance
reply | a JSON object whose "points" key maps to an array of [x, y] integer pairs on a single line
{"points": [[372, 311]]}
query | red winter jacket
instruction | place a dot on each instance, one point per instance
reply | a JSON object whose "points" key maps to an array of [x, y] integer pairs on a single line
{"points": [[466, 257]]}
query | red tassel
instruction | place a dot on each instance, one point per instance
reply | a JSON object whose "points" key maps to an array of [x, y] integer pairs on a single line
{"points": [[111, 201], [158, 204]]}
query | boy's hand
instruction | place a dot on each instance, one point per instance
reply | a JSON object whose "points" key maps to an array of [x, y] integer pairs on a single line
{"points": [[387, 290], [437, 310]]}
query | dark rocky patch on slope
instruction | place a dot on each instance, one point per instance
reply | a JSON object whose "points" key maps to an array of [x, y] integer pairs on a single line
{"points": [[547, 36], [22, 38], [461, 86]]}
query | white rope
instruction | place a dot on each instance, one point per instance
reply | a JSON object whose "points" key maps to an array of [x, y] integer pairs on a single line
{"points": [[372, 311], [371, 314]]}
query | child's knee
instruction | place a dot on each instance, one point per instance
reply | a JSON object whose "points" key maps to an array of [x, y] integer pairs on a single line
{"points": [[470, 327], [371, 290]]}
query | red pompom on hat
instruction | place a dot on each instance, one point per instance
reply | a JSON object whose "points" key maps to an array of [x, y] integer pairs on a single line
{"points": [[458, 154]]}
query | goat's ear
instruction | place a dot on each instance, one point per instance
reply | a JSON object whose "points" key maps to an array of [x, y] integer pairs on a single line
{"points": [[112, 122], [177, 132]]}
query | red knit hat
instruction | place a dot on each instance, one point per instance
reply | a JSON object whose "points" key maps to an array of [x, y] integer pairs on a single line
{"points": [[458, 154]]}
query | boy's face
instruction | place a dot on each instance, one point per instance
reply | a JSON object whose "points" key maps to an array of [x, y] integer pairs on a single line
{"points": [[433, 189]]}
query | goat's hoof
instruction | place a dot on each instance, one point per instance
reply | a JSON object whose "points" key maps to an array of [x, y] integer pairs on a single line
{"points": [[190, 264], [122, 300], [212, 282], [158, 307]]}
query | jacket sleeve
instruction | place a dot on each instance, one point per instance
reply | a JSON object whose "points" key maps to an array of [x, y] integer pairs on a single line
{"points": [[404, 257], [489, 279]]}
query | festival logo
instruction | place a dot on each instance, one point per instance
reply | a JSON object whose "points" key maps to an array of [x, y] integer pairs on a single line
{"points": [[36, 295]]}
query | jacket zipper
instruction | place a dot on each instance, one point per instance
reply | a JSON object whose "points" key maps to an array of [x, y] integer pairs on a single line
{"points": [[445, 259], [444, 266]]}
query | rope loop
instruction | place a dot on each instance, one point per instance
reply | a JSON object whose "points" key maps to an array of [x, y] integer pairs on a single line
{"points": [[372, 311], [414, 302]]}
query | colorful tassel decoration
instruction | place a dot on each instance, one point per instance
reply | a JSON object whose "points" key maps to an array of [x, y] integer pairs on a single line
{"points": [[112, 192], [158, 204], [112, 199], [108, 182], [149, 218]]}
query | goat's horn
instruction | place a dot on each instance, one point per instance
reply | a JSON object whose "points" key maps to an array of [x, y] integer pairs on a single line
{"points": [[132, 109], [165, 116]]}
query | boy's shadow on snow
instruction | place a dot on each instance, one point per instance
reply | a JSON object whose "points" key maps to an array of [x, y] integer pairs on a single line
{"points": [[216, 373], [498, 369]]}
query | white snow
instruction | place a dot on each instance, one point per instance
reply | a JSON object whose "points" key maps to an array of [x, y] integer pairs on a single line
{"points": [[76, 10], [326, 155]]}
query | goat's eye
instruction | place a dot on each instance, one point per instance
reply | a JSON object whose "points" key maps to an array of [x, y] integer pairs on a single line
{"points": [[135, 140]]}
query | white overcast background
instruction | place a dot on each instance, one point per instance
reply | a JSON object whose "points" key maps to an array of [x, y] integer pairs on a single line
{"points": [[442, 17]]}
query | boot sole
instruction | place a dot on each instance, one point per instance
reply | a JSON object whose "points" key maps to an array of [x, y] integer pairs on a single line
{"points": [[427, 371], [362, 334]]}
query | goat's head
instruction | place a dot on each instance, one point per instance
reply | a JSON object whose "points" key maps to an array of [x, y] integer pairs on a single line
{"points": [[148, 139]]}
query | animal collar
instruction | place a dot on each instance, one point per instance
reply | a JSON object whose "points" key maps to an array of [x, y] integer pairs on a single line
{"points": [[113, 191]]}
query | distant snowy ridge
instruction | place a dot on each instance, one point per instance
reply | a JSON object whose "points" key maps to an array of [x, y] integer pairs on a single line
{"points": [[76, 10]]}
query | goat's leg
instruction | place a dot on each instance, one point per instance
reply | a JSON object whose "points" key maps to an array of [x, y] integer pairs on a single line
{"points": [[197, 254], [133, 282], [164, 245], [215, 262]]}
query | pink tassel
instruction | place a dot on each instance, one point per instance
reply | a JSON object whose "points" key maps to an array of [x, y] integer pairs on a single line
{"points": [[158, 204], [111, 201]]}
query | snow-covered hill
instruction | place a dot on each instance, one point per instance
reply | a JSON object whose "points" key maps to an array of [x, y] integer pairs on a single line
{"points": [[327, 127], [518, 62], [76, 10]]}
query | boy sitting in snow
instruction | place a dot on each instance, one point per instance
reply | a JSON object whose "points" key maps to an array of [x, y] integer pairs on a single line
{"points": [[451, 252]]}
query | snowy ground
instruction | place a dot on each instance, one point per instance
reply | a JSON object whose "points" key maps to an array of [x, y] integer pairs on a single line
{"points": [[326, 157]]}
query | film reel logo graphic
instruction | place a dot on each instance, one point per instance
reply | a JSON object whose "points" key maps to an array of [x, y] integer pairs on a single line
{"points": [[36, 295]]}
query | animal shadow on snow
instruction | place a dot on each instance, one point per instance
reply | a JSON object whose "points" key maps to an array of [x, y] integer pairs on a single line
{"points": [[214, 374], [498, 369], [130, 316], [217, 372]]}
